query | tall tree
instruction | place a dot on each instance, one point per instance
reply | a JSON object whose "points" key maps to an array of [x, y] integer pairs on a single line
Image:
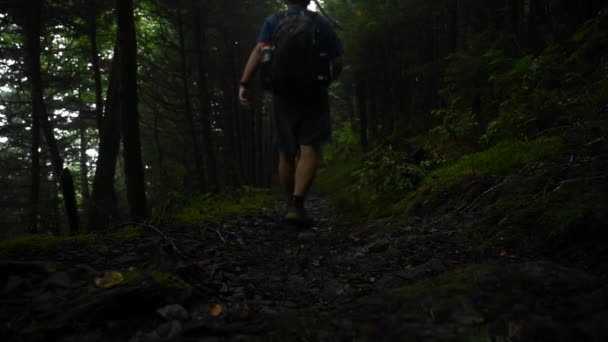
{"points": [[361, 92], [103, 208], [204, 100], [133, 163], [33, 29], [84, 146], [196, 151], [94, 50]]}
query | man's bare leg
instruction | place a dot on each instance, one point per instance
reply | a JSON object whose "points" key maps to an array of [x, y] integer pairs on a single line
{"points": [[286, 175], [305, 172], [309, 161]]}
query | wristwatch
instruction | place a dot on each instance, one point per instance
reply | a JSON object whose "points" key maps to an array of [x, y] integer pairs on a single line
{"points": [[244, 84]]}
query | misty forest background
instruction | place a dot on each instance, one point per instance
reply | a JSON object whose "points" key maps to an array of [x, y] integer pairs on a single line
{"points": [[118, 111]]}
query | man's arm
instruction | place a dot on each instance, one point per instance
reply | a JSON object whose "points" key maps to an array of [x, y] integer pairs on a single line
{"points": [[250, 67], [252, 63]]}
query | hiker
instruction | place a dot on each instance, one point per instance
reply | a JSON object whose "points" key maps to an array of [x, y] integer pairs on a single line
{"points": [[300, 116]]}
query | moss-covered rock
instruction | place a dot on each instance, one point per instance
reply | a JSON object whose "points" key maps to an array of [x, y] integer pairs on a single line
{"points": [[176, 289]]}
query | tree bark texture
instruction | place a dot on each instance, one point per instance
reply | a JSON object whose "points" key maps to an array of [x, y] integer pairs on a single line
{"points": [[103, 210], [84, 167], [361, 92], [33, 30], [96, 69], [134, 168]]}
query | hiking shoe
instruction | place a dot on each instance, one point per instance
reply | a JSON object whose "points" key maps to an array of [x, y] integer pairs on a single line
{"points": [[298, 216]]}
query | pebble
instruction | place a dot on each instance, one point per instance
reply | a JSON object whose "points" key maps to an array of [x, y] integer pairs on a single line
{"points": [[174, 312], [306, 236], [60, 280], [170, 329]]}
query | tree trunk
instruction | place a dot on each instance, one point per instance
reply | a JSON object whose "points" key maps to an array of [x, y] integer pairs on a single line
{"points": [[205, 114], [33, 30], [514, 16], [361, 94], [257, 142], [387, 98], [67, 185], [453, 26], [96, 70], [84, 168], [348, 97], [230, 162], [534, 41], [103, 209], [134, 168], [236, 133], [159, 147], [35, 187], [405, 101], [196, 151], [373, 108], [55, 220]]}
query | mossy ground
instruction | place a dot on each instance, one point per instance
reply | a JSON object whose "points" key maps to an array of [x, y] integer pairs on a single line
{"points": [[210, 208], [207, 209], [47, 243]]}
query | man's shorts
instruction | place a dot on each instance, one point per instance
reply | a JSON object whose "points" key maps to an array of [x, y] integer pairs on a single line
{"points": [[298, 122]]}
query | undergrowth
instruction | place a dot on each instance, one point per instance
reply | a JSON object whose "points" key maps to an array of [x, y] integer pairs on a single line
{"points": [[510, 155], [214, 208]]}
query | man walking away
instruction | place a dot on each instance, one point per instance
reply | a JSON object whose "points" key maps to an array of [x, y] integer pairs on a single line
{"points": [[306, 57]]}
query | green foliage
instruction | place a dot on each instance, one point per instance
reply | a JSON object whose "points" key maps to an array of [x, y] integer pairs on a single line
{"points": [[215, 208], [344, 143], [458, 126], [382, 183], [495, 166], [492, 97], [388, 172], [373, 181]]}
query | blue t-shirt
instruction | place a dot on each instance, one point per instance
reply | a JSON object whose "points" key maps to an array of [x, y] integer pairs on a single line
{"points": [[329, 39]]}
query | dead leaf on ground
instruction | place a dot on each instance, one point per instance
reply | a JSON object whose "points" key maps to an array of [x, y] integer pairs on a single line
{"points": [[362, 234], [109, 279], [453, 264], [215, 309], [378, 246]]}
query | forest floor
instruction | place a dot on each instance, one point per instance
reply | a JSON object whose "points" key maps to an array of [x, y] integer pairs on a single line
{"points": [[251, 278]]}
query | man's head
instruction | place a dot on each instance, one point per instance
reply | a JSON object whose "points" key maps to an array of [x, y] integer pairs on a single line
{"points": [[299, 3]]}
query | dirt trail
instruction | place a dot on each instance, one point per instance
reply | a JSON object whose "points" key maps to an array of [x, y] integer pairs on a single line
{"points": [[253, 279]]}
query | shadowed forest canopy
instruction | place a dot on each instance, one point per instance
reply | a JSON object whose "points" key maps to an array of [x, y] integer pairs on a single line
{"points": [[194, 137], [109, 113]]}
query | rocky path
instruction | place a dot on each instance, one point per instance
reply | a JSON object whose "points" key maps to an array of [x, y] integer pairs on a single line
{"points": [[254, 279]]}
